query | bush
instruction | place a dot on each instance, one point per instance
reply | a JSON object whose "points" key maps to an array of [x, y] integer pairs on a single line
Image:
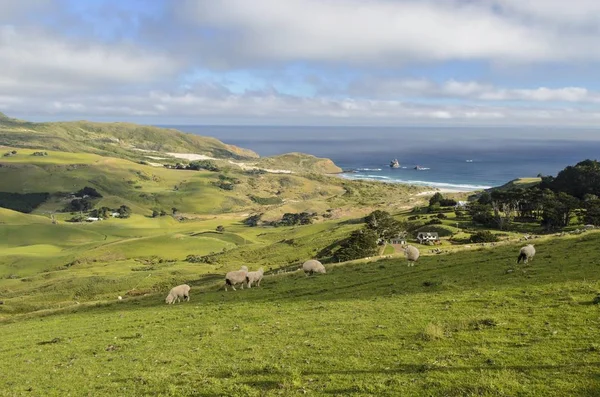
{"points": [[253, 220], [292, 219], [442, 216], [220, 229], [435, 222], [266, 200], [483, 237], [442, 231], [203, 165], [88, 191]]}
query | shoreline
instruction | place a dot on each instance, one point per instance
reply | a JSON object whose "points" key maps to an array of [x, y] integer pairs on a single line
{"points": [[432, 189]]}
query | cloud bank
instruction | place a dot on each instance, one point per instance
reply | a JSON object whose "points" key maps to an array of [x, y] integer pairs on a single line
{"points": [[376, 62]]}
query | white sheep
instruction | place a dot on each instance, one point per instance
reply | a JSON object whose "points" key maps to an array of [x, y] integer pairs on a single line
{"points": [[177, 293], [254, 277], [412, 254], [526, 253], [313, 266], [236, 277]]}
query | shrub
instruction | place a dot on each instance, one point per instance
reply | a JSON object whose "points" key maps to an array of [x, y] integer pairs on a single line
{"points": [[442, 216], [220, 229], [484, 236], [292, 219], [88, 191], [266, 200], [203, 165], [253, 220], [435, 222]]}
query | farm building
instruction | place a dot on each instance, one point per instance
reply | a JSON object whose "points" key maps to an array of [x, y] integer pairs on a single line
{"points": [[426, 237]]}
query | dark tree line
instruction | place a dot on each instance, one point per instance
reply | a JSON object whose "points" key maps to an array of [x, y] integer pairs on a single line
{"points": [[554, 203]]}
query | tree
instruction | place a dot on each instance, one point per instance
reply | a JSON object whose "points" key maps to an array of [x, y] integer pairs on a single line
{"points": [[578, 180], [485, 198], [79, 205], [504, 204], [88, 191], [558, 209], [361, 244], [384, 225], [124, 211], [481, 213], [436, 199], [592, 212]]}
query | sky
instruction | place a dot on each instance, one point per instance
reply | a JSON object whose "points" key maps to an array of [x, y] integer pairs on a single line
{"points": [[302, 62]]}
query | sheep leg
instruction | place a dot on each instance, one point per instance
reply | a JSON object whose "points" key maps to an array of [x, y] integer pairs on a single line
{"points": [[232, 286], [258, 284]]}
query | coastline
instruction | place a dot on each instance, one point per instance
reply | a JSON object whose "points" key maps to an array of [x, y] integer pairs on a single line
{"points": [[433, 187]]}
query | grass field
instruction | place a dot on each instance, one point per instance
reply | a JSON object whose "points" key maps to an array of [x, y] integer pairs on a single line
{"points": [[466, 324], [469, 322]]}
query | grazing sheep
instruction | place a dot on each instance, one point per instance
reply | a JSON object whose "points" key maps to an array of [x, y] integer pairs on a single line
{"points": [[412, 254], [313, 266], [236, 277], [526, 253], [254, 277], [177, 293]]}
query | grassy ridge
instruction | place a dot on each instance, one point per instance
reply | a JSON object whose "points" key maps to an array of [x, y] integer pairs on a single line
{"points": [[111, 139], [470, 323]]}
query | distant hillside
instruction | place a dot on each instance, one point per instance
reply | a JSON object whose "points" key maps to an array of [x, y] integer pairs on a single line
{"points": [[299, 162], [123, 139], [518, 183]]}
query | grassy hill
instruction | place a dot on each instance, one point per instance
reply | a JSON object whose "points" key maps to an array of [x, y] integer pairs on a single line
{"points": [[300, 162], [465, 324], [123, 139], [519, 183]]}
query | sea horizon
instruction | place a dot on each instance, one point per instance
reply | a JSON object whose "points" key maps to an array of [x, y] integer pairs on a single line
{"points": [[448, 158]]}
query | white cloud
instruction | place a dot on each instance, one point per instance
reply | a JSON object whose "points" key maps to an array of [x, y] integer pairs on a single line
{"points": [[44, 63], [466, 90], [202, 107], [386, 33]]}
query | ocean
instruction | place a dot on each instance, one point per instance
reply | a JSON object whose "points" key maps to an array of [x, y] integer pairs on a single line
{"points": [[453, 158]]}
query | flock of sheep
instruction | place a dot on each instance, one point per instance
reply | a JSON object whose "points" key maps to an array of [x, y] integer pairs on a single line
{"points": [[243, 276]]}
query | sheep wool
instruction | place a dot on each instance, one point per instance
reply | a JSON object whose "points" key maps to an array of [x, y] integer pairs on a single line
{"points": [[236, 277], [254, 277], [526, 253], [178, 293], [412, 254], [313, 266]]}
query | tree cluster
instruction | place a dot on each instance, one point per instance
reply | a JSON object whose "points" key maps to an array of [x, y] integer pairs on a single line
{"points": [[554, 203], [379, 227]]}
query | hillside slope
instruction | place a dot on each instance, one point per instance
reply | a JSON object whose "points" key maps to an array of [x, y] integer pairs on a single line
{"points": [[466, 324], [111, 138]]}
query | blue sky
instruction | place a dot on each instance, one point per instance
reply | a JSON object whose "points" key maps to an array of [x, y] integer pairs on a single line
{"points": [[302, 62]]}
